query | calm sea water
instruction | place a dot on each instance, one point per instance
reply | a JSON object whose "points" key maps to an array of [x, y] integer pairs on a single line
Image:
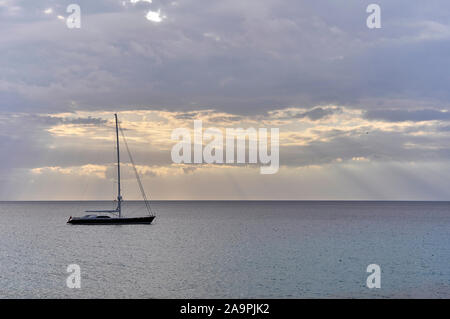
{"points": [[228, 250]]}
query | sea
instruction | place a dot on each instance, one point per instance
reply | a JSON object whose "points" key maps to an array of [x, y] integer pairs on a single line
{"points": [[228, 249]]}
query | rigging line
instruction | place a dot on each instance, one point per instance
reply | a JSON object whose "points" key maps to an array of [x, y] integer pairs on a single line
{"points": [[147, 204], [114, 191]]}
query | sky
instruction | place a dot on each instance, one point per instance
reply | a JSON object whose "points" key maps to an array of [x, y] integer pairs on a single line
{"points": [[363, 114]]}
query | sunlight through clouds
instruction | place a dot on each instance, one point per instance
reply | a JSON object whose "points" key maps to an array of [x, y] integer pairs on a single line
{"points": [[136, 1], [155, 16], [353, 106]]}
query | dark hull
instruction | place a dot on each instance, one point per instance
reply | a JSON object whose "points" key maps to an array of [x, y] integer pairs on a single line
{"points": [[112, 221]]}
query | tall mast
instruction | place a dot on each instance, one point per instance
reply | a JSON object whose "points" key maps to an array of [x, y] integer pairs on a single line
{"points": [[119, 197]]}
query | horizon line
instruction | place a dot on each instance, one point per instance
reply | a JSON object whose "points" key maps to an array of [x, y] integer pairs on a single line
{"points": [[229, 200]]}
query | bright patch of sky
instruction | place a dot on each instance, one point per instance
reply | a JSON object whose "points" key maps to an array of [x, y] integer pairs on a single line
{"points": [[155, 16], [136, 1], [362, 113]]}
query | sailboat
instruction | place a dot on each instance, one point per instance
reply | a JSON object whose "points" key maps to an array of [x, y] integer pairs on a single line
{"points": [[116, 218]]}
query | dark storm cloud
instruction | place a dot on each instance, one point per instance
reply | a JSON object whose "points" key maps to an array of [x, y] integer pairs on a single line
{"points": [[407, 115]]}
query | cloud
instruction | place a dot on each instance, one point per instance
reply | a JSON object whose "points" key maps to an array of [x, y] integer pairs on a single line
{"points": [[71, 138], [136, 1], [155, 16], [317, 113], [353, 105], [89, 170], [59, 150], [408, 115], [87, 121], [270, 55]]}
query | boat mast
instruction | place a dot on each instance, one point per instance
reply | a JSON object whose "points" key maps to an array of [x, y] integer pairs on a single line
{"points": [[119, 197]]}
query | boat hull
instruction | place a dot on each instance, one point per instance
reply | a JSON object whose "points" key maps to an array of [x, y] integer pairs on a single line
{"points": [[112, 221]]}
